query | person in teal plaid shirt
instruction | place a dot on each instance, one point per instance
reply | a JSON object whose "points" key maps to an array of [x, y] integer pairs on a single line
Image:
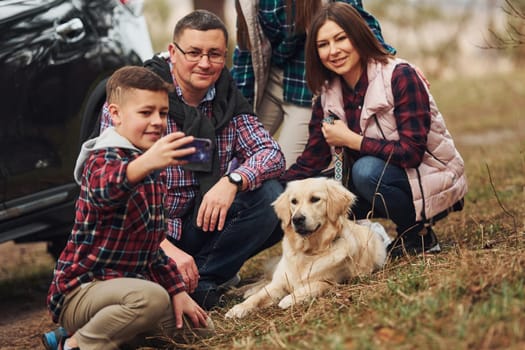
{"points": [[269, 65]]}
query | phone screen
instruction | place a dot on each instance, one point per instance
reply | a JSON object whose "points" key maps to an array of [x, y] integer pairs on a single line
{"points": [[203, 151]]}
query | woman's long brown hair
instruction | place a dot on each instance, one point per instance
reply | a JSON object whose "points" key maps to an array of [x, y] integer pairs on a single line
{"points": [[301, 12], [358, 32], [243, 40]]}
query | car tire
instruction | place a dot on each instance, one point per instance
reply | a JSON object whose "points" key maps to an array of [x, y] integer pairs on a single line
{"points": [[90, 126]]}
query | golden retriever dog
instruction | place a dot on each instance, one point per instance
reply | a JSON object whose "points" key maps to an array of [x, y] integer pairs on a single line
{"points": [[320, 247]]}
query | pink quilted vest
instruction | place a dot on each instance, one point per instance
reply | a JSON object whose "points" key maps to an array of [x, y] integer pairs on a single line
{"points": [[439, 181]]}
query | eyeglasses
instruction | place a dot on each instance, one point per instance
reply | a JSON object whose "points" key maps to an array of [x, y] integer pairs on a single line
{"points": [[196, 56]]}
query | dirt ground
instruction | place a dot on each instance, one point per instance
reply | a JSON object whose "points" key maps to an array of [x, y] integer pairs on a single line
{"points": [[23, 313]]}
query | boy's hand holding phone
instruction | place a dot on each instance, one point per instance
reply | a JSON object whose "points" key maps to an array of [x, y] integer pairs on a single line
{"points": [[172, 149], [203, 151], [166, 151]]}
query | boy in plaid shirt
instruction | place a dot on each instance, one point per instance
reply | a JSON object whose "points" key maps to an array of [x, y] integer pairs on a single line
{"points": [[113, 282]]}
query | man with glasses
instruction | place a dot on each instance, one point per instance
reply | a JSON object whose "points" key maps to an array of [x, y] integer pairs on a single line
{"points": [[219, 212]]}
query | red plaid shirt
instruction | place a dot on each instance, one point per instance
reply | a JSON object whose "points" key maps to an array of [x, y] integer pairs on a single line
{"points": [[117, 232], [244, 141], [412, 111]]}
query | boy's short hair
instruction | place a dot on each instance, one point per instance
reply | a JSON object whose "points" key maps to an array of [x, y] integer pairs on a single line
{"points": [[134, 77]]}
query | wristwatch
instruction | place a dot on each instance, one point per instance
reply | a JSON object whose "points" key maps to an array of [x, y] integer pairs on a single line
{"points": [[236, 179]]}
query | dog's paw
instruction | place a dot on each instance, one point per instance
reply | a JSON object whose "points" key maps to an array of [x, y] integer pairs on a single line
{"points": [[286, 302], [238, 311]]}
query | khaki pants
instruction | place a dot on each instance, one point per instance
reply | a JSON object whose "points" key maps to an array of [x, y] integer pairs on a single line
{"points": [[284, 120], [108, 314]]}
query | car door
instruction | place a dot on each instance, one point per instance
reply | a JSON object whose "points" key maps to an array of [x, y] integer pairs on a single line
{"points": [[49, 60], [55, 57]]}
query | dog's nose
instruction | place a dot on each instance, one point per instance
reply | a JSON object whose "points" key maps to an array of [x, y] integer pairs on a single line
{"points": [[298, 220]]}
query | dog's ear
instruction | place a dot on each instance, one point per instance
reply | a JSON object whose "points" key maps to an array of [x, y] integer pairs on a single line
{"points": [[281, 207], [339, 201]]}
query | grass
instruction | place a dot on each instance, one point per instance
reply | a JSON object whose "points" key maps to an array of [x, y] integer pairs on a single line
{"points": [[470, 296]]}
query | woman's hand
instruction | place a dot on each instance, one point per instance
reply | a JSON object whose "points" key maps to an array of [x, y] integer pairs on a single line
{"points": [[339, 135]]}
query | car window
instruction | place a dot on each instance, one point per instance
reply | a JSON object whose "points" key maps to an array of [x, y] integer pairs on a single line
{"points": [[12, 9]]}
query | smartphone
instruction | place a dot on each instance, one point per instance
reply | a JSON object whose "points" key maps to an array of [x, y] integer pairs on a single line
{"points": [[203, 153], [330, 118]]}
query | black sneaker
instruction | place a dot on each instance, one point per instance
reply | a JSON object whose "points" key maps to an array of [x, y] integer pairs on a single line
{"points": [[230, 284], [410, 245], [208, 298]]}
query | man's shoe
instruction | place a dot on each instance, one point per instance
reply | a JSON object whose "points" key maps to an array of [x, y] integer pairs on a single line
{"points": [[410, 245], [208, 298], [231, 283]]}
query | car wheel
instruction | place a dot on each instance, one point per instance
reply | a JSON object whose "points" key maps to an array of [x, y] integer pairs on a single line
{"points": [[91, 116]]}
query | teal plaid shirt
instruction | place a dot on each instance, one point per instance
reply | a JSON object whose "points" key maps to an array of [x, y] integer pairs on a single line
{"points": [[287, 52]]}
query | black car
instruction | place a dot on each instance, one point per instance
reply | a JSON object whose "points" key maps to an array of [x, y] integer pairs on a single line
{"points": [[55, 57]]}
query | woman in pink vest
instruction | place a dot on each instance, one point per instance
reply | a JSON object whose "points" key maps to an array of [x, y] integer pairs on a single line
{"points": [[398, 156]]}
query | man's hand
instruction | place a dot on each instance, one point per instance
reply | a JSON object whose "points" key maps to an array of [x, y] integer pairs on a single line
{"points": [[185, 264], [215, 205]]}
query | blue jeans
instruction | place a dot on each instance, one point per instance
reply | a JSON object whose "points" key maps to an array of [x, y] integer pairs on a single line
{"points": [[383, 191], [251, 226]]}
